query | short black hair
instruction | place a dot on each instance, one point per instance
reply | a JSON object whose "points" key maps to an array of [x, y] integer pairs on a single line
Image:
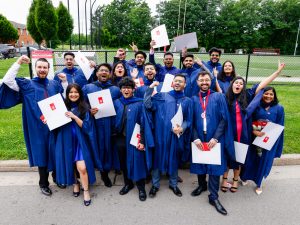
{"points": [[149, 64], [127, 82], [180, 75], [140, 53], [214, 49], [106, 65], [188, 55], [168, 53], [203, 73], [275, 100], [69, 53], [42, 60]]}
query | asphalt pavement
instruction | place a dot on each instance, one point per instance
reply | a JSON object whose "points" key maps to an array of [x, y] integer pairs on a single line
{"points": [[22, 203]]}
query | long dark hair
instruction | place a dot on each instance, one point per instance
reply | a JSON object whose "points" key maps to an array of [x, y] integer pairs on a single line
{"points": [[241, 98], [81, 104], [275, 100], [222, 74], [114, 77]]}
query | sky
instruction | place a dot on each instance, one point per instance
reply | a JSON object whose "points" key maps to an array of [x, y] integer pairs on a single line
{"points": [[17, 10]]}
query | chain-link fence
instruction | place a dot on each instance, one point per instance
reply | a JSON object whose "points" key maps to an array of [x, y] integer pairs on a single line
{"points": [[252, 67]]}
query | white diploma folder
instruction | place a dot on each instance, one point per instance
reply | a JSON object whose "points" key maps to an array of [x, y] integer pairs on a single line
{"points": [[136, 135], [167, 84], [240, 151], [160, 36], [186, 40], [84, 64], [102, 100], [54, 109], [272, 132], [177, 119], [212, 157]]}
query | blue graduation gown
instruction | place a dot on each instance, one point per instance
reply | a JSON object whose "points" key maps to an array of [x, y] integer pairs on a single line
{"points": [[140, 91], [74, 75], [224, 85], [216, 111], [132, 65], [168, 147], [258, 167], [138, 162], [64, 150], [104, 127], [194, 86], [36, 133]]}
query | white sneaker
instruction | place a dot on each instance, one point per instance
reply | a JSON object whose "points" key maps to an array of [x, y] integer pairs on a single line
{"points": [[258, 191], [244, 183]]}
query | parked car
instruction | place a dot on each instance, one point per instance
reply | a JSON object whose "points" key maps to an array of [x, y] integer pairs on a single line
{"points": [[7, 50], [23, 50]]}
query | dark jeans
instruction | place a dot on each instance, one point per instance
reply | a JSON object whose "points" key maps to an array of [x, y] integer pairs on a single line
{"points": [[213, 185]]}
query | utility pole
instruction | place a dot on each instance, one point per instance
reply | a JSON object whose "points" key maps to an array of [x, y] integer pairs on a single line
{"points": [[296, 44]]}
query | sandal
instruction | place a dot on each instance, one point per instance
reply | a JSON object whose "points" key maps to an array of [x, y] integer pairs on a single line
{"points": [[76, 193], [87, 202], [224, 188], [234, 189]]}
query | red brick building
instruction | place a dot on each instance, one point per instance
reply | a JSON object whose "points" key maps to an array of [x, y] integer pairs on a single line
{"points": [[24, 36]]}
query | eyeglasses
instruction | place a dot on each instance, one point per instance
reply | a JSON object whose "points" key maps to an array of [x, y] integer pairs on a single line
{"points": [[215, 55], [103, 70]]}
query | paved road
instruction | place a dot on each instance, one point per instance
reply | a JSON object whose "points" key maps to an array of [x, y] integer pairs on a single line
{"points": [[22, 203]]}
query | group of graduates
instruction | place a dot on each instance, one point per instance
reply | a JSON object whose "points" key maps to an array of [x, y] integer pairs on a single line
{"points": [[216, 107]]}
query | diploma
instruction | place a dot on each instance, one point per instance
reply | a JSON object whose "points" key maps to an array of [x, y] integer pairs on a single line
{"points": [[213, 156], [240, 151], [160, 36], [177, 119], [167, 84], [272, 132], [136, 135], [186, 40], [53, 110], [84, 64], [102, 100]]}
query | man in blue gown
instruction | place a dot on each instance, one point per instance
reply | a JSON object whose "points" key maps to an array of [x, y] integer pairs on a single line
{"points": [[135, 161], [210, 126], [29, 92], [169, 141], [104, 125]]}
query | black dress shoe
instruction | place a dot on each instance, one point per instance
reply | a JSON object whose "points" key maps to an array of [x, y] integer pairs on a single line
{"points": [[61, 186], [46, 191], [152, 192], [126, 189], [216, 203], [142, 195], [107, 181], [176, 191], [198, 191], [179, 179]]}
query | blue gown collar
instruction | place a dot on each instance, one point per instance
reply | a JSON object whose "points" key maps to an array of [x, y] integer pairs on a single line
{"points": [[127, 101], [42, 81], [177, 94]]}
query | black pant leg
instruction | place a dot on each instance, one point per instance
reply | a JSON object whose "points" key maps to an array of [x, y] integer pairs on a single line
{"points": [[141, 184], [213, 187], [202, 180], [43, 172]]}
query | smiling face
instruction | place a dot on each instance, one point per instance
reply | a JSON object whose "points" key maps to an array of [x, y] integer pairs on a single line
{"points": [[168, 60], [119, 70], [149, 72], [188, 62], [42, 69], [204, 82], [228, 68], [237, 86], [127, 91], [214, 57], [69, 61], [268, 96], [178, 83], [139, 59], [73, 95], [103, 74]]}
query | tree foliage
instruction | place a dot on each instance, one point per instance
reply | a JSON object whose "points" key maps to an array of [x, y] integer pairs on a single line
{"points": [[46, 19], [7, 31], [31, 25], [65, 23]]}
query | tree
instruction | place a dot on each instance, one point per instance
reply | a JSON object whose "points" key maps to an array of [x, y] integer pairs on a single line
{"points": [[46, 19], [65, 23], [7, 31], [31, 25]]}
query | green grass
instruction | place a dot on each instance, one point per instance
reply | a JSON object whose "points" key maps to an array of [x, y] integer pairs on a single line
{"points": [[11, 136]]}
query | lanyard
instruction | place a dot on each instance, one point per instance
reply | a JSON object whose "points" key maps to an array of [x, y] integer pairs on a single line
{"points": [[203, 106]]}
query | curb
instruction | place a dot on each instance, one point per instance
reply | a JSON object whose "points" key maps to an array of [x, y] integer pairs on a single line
{"points": [[23, 165]]}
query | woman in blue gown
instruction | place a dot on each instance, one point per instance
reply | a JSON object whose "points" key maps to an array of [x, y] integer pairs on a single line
{"points": [[76, 145], [226, 75], [259, 161]]}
